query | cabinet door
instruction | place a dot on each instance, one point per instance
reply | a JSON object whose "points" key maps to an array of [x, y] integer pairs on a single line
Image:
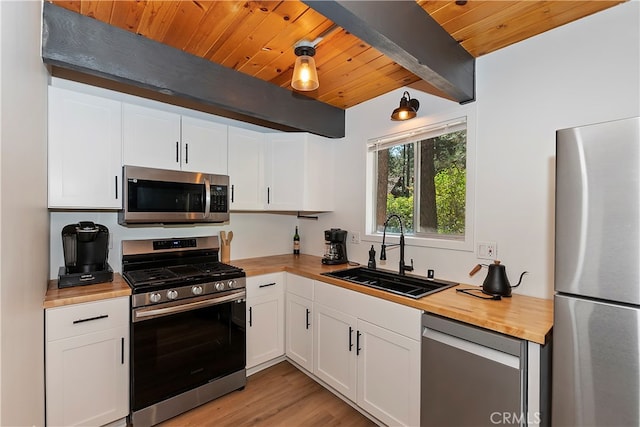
{"points": [[335, 348], [319, 174], [204, 146], [87, 378], [246, 157], [265, 329], [150, 137], [299, 330], [84, 151], [265, 318], [388, 375], [284, 167]]}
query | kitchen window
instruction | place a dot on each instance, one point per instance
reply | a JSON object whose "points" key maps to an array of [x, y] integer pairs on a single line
{"points": [[423, 176]]}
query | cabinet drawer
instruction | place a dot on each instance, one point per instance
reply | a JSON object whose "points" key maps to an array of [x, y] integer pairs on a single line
{"points": [[267, 284], [79, 319]]}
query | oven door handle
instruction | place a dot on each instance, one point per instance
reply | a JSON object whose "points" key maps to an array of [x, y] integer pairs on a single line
{"points": [[147, 313]]}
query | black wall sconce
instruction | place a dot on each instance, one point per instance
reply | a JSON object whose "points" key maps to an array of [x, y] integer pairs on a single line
{"points": [[407, 109]]}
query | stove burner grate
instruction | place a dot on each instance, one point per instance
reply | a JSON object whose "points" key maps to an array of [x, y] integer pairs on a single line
{"points": [[180, 273]]}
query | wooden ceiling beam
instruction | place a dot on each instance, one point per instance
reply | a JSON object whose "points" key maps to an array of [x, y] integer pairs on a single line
{"points": [[404, 32], [86, 45]]}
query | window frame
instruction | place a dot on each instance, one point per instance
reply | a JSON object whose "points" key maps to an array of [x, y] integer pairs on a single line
{"points": [[412, 135]]}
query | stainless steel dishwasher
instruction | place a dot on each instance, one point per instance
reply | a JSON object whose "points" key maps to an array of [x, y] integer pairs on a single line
{"points": [[471, 376]]}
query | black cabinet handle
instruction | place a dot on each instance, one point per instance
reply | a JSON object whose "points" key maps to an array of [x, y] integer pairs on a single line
{"points": [[358, 349], [250, 317], [116, 187], [89, 319], [268, 195], [308, 312], [350, 338], [177, 152], [267, 285], [232, 192], [186, 154], [122, 350]]}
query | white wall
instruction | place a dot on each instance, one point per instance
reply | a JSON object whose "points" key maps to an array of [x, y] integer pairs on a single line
{"points": [[23, 214], [584, 72]]}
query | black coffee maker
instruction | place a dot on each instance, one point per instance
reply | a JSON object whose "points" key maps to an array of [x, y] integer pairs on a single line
{"points": [[335, 247], [86, 248]]}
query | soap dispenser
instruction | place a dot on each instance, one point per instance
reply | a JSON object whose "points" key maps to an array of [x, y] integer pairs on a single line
{"points": [[372, 258]]}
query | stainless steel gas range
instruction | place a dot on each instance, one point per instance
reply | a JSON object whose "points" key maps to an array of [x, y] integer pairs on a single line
{"points": [[188, 334]]}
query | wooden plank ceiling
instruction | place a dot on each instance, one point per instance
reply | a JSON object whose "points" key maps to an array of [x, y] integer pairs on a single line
{"points": [[257, 37]]}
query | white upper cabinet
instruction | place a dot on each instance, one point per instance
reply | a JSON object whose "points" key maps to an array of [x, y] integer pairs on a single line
{"points": [[165, 140], [284, 171], [298, 172], [92, 137], [150, 137], [280, 171], [204, 146], [246, 170], [84, 151]]}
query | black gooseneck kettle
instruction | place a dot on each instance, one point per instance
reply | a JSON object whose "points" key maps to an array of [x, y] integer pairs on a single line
{"points": [[496, 283]]}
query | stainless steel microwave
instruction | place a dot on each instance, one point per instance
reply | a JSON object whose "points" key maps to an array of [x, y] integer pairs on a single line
{"points": [[158, 196]]}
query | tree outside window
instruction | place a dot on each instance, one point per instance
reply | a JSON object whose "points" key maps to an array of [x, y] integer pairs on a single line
{"points": [[423, 181]]}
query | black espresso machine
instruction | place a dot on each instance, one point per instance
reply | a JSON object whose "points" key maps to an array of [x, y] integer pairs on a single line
{"points": [[335, 247], [86, 248]]}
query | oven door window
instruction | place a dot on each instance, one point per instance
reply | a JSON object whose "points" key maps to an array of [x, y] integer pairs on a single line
{"points": [[178, 352], [161, 196]]}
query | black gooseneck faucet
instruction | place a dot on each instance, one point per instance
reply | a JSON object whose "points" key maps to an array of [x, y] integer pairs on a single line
{"points": [[383, 250]]}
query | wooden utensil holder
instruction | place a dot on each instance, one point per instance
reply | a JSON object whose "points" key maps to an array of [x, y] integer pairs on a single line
{"points": [[225, 253]]}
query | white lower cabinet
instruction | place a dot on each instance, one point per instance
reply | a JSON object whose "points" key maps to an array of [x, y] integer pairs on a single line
{"points": [[299, 325], [388, 385], [335, 349], [265, 318], [365, 348], [87, 363]]}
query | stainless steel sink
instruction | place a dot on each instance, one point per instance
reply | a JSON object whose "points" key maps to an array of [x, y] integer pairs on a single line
{"points": [[408, 286]]}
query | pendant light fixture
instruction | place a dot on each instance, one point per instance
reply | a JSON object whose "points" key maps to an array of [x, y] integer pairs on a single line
{"points": [[407, 109], [305, 76]]}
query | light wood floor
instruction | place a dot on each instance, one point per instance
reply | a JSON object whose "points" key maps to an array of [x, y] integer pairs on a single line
{"points": [[277, 396]]}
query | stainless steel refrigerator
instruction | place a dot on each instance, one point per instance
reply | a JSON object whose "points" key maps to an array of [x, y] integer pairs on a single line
{"points": [[596, 332]]}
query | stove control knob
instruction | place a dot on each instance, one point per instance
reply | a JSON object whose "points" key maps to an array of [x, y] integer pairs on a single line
{"points": [[172, 294], [196, 290], [155, 297], [231, 284], [220, 286]]}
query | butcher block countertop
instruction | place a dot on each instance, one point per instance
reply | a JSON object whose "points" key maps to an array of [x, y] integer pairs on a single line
{"points": [[520, 316], [77, 294]]}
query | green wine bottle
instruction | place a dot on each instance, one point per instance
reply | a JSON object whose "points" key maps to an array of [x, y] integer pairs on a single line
{"points": [[296, 243]]}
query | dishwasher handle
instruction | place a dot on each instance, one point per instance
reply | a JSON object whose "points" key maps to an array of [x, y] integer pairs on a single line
{"points": [[473, 348], [481, 336]]}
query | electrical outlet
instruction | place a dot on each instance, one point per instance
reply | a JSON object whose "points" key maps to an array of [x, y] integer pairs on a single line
{"points": [[487, 250], [355, 237]]}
